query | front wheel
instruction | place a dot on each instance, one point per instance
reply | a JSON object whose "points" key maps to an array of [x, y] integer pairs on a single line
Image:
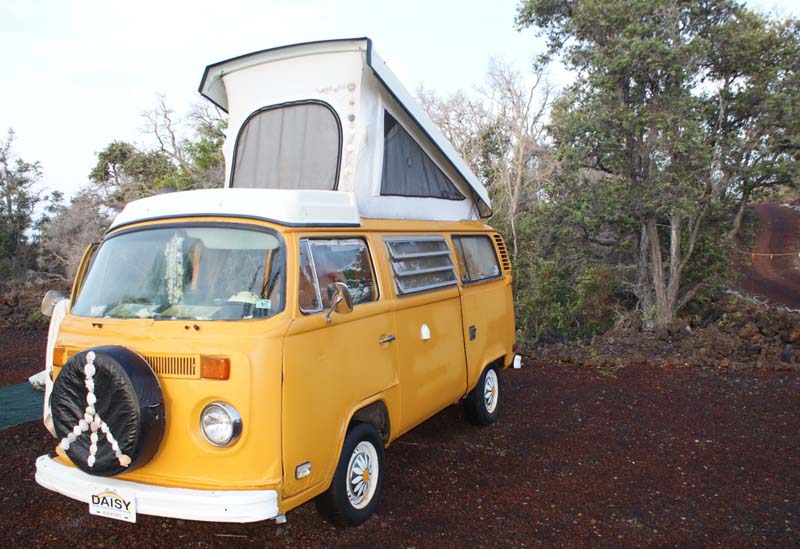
{"points": [[481, 404], [356, 487]]}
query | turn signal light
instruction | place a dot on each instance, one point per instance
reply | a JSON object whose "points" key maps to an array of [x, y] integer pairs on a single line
{"points": [[59, 356], [215, 367]]}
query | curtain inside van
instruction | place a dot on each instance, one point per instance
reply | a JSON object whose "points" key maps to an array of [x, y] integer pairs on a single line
{"points": [[407, 170], [288, 147]]}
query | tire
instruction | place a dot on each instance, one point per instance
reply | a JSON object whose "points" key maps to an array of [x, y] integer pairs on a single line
{"points": [[483, 402], [350, 500], [108, 411]]}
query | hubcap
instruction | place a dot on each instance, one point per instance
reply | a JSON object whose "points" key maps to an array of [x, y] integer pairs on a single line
{"points": [[362, 474], [491, 391]]}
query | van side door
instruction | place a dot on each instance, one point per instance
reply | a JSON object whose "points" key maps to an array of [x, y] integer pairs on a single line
{"points": [[431, 363], [331, 368], [487, 304]]}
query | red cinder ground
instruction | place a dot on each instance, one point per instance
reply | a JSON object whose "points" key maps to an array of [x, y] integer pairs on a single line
{"points": [[580, 456]]}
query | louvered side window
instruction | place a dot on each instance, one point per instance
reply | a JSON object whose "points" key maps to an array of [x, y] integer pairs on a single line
{"points": [[420, 263]]}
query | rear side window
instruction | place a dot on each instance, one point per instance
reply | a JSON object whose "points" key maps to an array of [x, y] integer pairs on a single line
{"points": [[293, 146], [476, 258], [325, 261], [407, 170], [420, 263]]}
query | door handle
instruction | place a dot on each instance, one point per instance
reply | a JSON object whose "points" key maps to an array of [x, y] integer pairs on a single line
{"points": [[387, 339]]}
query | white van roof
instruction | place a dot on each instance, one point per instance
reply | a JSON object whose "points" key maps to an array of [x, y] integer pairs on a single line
{"points": [[294, 208], [349, 77]]}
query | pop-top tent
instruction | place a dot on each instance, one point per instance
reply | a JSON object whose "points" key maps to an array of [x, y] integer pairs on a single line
{"points": [[331, 116]]}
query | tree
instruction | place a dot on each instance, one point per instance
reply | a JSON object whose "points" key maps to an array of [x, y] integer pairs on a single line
{"points": [[500, 132], [464, 120], [647, 117], [198, 162], [67, 230], [124, 173], [520, 160], [17, 202], [758, 69]]}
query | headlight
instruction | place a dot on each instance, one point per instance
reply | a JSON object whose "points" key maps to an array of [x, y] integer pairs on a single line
{"points": [[220, 424]]}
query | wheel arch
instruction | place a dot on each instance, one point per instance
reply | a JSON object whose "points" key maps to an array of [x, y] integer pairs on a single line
{"points": [[499, 363], [375, 413]]}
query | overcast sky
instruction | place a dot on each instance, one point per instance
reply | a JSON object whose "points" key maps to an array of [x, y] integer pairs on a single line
{"points": [[79, 73]]}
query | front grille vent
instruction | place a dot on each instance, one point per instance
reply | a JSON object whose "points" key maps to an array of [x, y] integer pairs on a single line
{"points": [[165, 365], [181, 366]]}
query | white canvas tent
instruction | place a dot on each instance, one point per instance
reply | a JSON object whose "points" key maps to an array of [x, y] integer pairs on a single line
{"points": [[331, 116]]}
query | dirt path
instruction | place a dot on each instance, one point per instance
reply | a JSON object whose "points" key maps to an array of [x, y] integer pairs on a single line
{"points": [[776, 278], [644, 456]]}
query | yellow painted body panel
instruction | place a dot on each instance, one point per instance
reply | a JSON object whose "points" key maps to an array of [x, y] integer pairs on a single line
{"points": [[488, 305], [432, 372], [297, 381], [328, 370], [184, 457]]}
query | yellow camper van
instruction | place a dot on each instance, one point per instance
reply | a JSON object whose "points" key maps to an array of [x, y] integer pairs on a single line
{"points": [[230, 354]]}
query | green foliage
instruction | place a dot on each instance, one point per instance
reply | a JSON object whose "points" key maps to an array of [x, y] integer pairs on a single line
{"points": [[197, 160], [17, 202], [206, 150], [204, 162], [560, 292], [121, 162], [759, 64], [679, 110], [710, 265], [553, 302]]}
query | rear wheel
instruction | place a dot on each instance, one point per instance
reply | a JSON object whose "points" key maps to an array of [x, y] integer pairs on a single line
{"points": [[356, 487], [482, 403]]}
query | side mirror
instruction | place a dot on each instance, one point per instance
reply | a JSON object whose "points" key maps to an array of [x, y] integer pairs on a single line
{"points": [[340, 299], [50, 300]]}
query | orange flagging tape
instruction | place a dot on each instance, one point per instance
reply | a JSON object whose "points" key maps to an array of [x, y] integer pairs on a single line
{"points": [[767, 254]]}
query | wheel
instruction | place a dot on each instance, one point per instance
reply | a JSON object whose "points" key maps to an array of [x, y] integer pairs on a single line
{"points": [[108, 411], [481, 404], [356, 487]]}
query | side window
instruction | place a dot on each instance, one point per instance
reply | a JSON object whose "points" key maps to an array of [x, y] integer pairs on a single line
{"points": [[420, 263], [407, 170], [324, 261], [293, 146], [476, 258]]}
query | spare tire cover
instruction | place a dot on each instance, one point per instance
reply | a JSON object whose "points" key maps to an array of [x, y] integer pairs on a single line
{"points": [[108, 410]]}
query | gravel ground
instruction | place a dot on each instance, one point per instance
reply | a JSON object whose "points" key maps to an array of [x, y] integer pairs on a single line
{"points": [[580, 456], [21, 353]]}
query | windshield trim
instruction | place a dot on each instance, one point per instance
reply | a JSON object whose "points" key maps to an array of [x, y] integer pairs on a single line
{"points": [[192, 224]]}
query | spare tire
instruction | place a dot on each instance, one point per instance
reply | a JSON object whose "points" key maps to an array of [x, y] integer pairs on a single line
{"points": [[108, 410]]}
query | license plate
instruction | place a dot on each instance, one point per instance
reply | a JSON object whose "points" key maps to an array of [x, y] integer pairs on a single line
{"points": [[113, 503]]}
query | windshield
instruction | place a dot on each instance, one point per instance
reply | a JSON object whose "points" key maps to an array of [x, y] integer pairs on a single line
{"points": [[188, 273]]}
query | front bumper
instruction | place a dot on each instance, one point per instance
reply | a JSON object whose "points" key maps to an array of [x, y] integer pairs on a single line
{"points": [[182, 503]]}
